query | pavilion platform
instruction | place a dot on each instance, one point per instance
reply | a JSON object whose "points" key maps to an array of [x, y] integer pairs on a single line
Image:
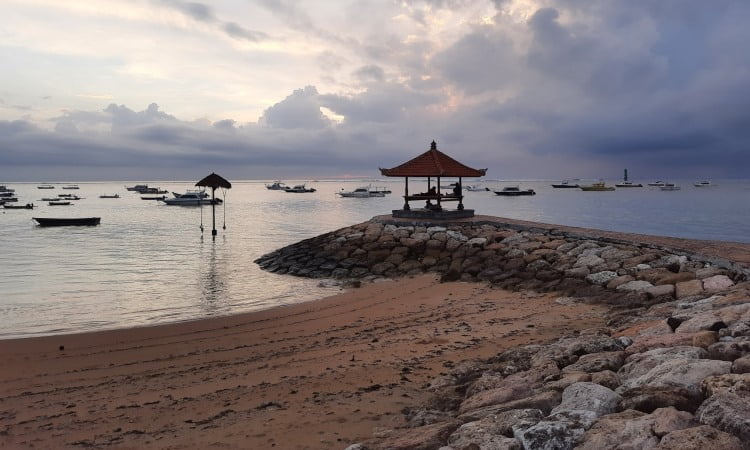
{"points": [[431, 214]]}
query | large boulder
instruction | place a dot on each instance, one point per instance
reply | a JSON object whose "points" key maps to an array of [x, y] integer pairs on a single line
{"points": [[586, 402], [596, 362], [639, 364], [727, 412], [698, 438], [628, 429], [551, 435], [495, 431]]}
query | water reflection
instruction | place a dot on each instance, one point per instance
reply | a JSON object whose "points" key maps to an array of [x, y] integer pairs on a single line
{"points": [[213, 284]]}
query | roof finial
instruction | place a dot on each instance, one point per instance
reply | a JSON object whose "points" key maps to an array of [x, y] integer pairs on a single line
{"points": [[433, 146]]}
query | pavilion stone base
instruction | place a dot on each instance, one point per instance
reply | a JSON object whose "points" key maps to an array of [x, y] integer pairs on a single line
{"points": [[431, 214]]}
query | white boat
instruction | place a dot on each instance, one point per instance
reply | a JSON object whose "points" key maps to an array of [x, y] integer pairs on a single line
{"points": [[299, 188], [657, 183], [476, 188], [137, 188], [670, 187], [45, 186], [361, 192], [565, 184], [625, 183], [71, 186], [703, 184], [276, 186], [190, 199], [4, 188], [200, 192]]}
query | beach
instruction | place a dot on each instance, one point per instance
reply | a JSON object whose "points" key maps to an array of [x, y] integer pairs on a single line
{"points": [[322, 374]]}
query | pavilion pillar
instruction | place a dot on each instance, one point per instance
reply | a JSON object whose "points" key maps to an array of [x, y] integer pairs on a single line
{"points": [[438, 191], [406, 195], [460, 195]]}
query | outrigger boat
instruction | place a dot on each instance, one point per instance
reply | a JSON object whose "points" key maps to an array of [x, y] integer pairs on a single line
{"points": [[26, 206], [59, 222], [514, 191]]}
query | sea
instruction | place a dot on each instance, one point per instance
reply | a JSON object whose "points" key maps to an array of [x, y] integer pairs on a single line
{"points": [[149, 263]]}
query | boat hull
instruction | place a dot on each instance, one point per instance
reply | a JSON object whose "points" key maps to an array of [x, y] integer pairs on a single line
{"points": [[515, 194], [66, 222]]}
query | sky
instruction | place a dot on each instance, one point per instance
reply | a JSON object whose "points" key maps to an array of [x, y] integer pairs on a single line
{"points": [[282, 89]]}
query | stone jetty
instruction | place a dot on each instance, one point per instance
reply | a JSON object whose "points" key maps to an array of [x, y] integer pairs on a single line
{"points": [[670, 370]]}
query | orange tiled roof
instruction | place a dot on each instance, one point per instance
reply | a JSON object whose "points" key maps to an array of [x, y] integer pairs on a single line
{"points": [[433, 163]]}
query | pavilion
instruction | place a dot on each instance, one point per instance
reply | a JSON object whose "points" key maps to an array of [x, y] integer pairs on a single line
{"points": [[433, 163]]}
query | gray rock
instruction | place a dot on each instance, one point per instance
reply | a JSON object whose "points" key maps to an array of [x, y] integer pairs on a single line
{"points": [[741, 365], [727, 412], [729, 350], [662, 290], [588, 261], [667, 420], [596, 362], [717, 283], [733, 383], [635, 286], [586, 402], [495, 431], [601, 278], [551, 435]]}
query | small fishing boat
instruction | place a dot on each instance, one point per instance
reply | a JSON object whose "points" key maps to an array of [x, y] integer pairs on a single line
{"points": [[360, 192], [669, 187], [200, 192], [153, 197], [9, 199], [45, 186], [68, 197], [72, 186], [59, 222], [59, 203], [299, 189], [109, 196], [6, 194], [657, 183], [153, 190], [136, 188], [276, 186], [190, 199], [476, 188], [26, 206], [703, 184], [599, 186], [4, 188], [565, 184], [627, 184], [514, 191]]}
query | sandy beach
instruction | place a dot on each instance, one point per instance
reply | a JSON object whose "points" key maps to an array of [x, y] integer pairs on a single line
{"points": [[317, 375]]}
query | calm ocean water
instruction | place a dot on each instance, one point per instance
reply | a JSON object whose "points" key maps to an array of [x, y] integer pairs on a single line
{"points": [[147, 263]]}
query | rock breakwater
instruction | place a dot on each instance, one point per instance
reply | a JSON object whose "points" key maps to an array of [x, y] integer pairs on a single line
{"points": [[671, 370]]}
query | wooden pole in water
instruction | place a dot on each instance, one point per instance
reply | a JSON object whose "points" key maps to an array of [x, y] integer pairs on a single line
{"points": [[213, 211]]}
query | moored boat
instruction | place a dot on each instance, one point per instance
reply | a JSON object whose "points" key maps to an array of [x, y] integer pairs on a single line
{"points": [[476, 188], [45, 186], [657, 183], [514, 191], [109, 196], [669, 187], [153, 197], [704, 183], [565, 184], [4, 188], [599, 186], [299, 188], [74, 221], [71, 186], [59, 203], [26, 206], [625, 183], [136, 188], [190, 199], [276, 186], [360, 192]]}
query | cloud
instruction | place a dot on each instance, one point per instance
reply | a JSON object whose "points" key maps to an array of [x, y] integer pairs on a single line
{"points": [[205, 14], [299, 110]]}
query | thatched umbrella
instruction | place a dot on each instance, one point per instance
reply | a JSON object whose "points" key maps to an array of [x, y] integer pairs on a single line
{"points": [[214, 181]]}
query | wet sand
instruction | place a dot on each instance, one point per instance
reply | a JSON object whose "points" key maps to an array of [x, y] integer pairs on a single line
{"points": [[317, 375]]}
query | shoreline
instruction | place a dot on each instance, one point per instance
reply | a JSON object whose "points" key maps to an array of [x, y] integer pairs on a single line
{"points": [[341, 367], [324, 373]]}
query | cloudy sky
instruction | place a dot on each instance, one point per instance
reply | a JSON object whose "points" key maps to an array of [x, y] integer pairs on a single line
{"points": [[263, 89]]}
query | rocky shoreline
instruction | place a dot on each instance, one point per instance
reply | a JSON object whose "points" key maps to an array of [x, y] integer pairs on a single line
{"points": [[672, 369]]}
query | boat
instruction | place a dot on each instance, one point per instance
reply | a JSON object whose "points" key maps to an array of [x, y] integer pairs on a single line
{"points": [[627, 184], [136, 188], [4, 188], [72, 186], [276, 186], [299, 188], [45, 186], [476, 188], [599, 186], [68, 197], [361, 192], [380, 189], [9, 199], [190, 199], [703, 184], [59, 203], [657, 183], [58, 222], [153, 190], [202, 193], [669, 187], [26, 206], [6, 194], [109, 196], [514, 191], [153, 197], [565, 184]]}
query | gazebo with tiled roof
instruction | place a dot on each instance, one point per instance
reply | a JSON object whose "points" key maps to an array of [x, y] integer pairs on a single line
{"points": [[433, 163]]}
